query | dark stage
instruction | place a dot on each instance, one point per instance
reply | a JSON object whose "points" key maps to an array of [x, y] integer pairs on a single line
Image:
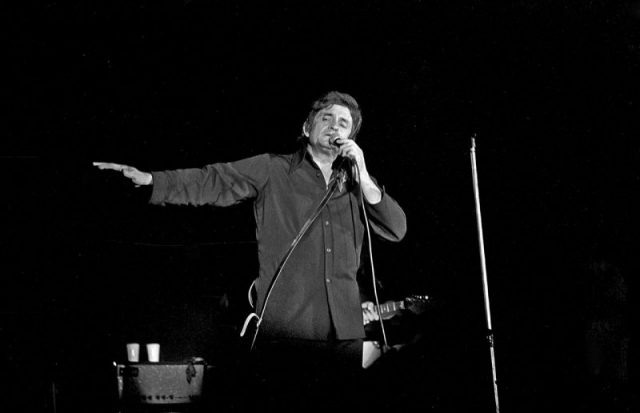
{"points": [[549, 89]]}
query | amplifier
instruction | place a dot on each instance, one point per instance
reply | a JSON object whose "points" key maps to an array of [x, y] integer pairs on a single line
{"points": [[160, 383]]}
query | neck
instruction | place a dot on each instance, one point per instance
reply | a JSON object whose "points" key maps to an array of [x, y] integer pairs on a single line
{"points": [[324, 161], [322, 158]]}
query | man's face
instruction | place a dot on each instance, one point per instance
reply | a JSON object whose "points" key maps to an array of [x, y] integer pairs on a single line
{"points": [[330, 123]]}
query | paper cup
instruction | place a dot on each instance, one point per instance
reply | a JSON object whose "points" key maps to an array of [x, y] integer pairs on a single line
{"points": [[133, 352], [153, 352]]}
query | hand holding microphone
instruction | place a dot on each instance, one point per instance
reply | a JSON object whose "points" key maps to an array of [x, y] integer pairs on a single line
{"points": [[346, 161], [349, 149]]}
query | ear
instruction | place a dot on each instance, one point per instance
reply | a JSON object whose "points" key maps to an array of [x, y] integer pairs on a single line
{"points": [[305, 129]]}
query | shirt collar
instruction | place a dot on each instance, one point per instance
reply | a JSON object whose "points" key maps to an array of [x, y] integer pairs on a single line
{"points": [[298, 158]]}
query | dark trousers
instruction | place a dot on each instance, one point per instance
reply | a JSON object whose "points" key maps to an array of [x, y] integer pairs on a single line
{"points": [[293, 375]]}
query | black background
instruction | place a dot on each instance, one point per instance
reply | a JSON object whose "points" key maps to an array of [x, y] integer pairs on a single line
{"points": [[549, 88]]}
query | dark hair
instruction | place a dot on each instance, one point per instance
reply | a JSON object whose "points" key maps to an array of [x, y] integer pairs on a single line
{"points": [[336, 98]]}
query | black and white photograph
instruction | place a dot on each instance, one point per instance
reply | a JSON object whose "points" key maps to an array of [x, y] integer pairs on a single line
{"points": [[291, 206]]}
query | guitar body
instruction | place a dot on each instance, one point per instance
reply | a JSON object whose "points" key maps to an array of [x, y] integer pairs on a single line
{"points": [[372, 349], [371, 352]]}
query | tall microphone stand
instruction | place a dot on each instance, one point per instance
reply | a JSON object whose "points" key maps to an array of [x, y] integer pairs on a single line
{"points": [[483, 264]]}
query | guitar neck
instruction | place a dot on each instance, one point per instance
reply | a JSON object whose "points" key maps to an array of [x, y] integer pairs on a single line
{"points": [[391, 307]]}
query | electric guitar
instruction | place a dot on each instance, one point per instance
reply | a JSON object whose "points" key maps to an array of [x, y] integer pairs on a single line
{"points": [[415, 303], [371, 349]]}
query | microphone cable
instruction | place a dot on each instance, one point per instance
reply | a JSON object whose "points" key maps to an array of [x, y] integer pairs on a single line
{"points": [[385, 346], [338, 181]]}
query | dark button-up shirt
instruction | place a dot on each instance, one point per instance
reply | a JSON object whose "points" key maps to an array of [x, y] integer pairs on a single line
{"points": [[316, 296]]}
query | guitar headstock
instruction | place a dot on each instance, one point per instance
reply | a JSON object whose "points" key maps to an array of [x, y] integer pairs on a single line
{"points": [[417, 303]]}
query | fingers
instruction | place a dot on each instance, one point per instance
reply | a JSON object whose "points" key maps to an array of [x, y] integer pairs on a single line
{"points": [[368, 312], [129, 171], [368, 317], [139, 178], [108, 165], [351, 150], [346, 142]]}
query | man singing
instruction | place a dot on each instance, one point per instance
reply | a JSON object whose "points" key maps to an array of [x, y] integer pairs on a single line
{"points": [[308, 307]]}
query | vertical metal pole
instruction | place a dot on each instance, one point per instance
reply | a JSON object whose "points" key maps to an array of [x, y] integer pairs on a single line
{"points": [[483, 264], [54, 395]]}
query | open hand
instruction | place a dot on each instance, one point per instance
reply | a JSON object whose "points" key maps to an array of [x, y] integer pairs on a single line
{"points": [[138, 177]]}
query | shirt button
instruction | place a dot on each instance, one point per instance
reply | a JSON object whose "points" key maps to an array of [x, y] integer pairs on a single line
{"points": [[326, 223], [327, 280], [328, 249]]}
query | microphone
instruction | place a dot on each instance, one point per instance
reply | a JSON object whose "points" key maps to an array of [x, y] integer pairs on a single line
{"points": [[343, 163]]}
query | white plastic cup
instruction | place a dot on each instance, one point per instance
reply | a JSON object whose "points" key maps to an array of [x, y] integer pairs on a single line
{"points": [[153, 352], [133, 352]]}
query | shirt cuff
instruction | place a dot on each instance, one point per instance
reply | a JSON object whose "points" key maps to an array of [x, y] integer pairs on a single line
{"points": [[160, 184]]}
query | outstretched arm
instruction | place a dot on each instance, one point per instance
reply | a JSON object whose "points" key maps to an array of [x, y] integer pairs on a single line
{"points": [[138, 177]]}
